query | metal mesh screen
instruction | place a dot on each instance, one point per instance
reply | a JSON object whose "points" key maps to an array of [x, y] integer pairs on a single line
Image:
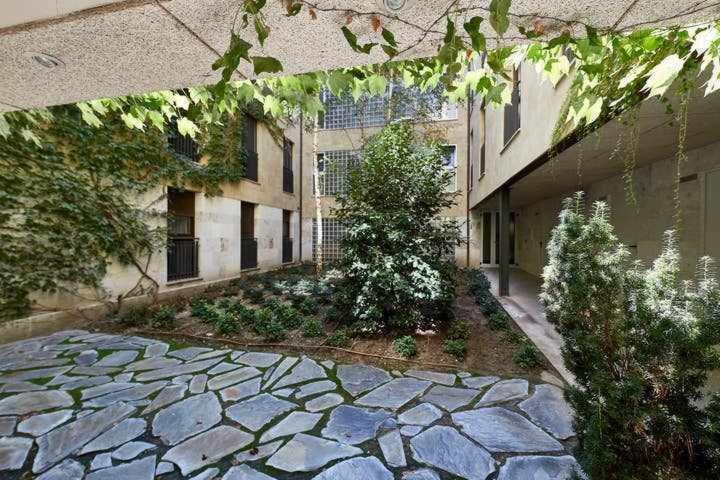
{"points": [[333, 232], [344, 112], [334, 167]]}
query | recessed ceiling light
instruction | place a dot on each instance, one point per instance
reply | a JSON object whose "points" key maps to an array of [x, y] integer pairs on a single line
{"points": [[395, 4], [47, 61]]}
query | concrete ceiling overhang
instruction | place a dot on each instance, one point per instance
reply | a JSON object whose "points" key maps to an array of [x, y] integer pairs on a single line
{"points": [[602, 154], [118, 47]]}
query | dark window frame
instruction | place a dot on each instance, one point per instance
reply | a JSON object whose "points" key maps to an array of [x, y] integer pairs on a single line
{"points": [[512, 118]]}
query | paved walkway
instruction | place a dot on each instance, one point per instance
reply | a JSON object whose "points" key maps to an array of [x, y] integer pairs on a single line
{"points": [[87, 405]]}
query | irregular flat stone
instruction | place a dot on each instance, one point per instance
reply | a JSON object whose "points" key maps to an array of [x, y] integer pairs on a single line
{"points": [[394, 394], [258, 411], [187, 418], [27, 364], [500, 430], [236, 354], [209, 474], [163, 468], [41, 424], [547, 408], [94, 371], [70, 438], [30, 402], [211, 354], [450, 398], [67, 470], [259, 359], [188, 353], [411, 430], [102, 460], [156, 350], [232, 378], [315, 388], [284, 392], [353, 425], [324, 402], [13, 452], [304, 371], [263, 451], [131, 450], [104, 389], [296, 422], [505, 391], [86, 358], [223, 367], [305, 453], [422, 474], [367, 468], [546, 468], [138, 392], [124, 377], [446, 449], [424, 414], [33, 374], [357, 379], [281, 370], [242, 390], [243, 472], [117, 359], [207, 448], [154, 363], [182, 379], [177, 370], [121, 433], [391, 445], [84, 382], [167, 395], [20, 387], [268, 373], [7, 426], [329, 364], [197, 384], [435, 377], [478, 383], [143, 469]]}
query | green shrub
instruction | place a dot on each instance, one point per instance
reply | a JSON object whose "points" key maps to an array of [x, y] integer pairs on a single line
{"points": [[498, 321], [135, 316], [332, 315], [459, 330], [163, 318], [268, 326], [640, 343], [456, 348], [515, 337], [226, 323], [477, 283], [199, 307], [254, 295], [528, 356], [307, 306], [313, 327], [339, 338], [406, 346]]}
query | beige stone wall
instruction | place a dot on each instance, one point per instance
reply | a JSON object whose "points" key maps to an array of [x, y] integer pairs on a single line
{"points": [[641, 227], [453, 132]]}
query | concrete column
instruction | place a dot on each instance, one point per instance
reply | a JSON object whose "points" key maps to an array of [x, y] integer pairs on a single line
{"points": [[504, 283]]}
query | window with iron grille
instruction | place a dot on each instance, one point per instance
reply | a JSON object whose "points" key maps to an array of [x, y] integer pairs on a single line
{"points": [[182, 145], [334, 167], [333, 233], [512, 111], [288, 177], [344, 112], [450, 163]]}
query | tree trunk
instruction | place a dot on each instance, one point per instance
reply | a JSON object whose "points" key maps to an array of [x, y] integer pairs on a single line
{"points": [[318, 206]]}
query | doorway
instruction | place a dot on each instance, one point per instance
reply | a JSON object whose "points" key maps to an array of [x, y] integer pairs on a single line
{"points": [[491, 238]]}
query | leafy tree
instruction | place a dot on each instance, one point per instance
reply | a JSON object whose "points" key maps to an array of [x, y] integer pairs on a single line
{"points": [[640, 343], [397, 251]]}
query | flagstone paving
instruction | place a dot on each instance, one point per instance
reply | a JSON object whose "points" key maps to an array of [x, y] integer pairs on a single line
{"points": [[78, 405]]}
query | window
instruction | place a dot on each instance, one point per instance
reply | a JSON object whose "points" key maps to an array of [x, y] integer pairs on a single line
{"points": [[333, 169], [333, 233], [250, 145], [512, 111], [182, 145], [413, 103], [472, 159], [483, 140], [450, 163], [344, 112], [288, 178]]}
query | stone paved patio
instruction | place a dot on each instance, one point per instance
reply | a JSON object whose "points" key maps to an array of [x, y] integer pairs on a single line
{"points": [[89, 405]]}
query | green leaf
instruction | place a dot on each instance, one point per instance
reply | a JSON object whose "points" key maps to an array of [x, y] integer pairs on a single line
{"points": [[353, 42], [132, 121], [261, 30], [339, 81], [450, 32], [389, 37], [157, 119], [88, 115], [238, 50], [472, 27], [4, 126], [272, 106], [377, 84], [187, 127], [663, 74], [499, 20], [266, 65], [293, 9], [389, 51], [563, 39]]}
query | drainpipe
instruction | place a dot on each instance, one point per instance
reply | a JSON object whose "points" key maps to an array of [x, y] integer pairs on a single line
{"points": [[300, 192], [469, 180]]}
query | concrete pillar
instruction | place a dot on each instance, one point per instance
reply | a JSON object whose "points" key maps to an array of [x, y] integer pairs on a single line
{"points": [[504, 261]]}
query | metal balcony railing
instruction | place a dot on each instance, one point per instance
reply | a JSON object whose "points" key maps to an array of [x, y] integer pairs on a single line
{"points": [[182, 258], [248, 253], [250, 165], [287, 250]]}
